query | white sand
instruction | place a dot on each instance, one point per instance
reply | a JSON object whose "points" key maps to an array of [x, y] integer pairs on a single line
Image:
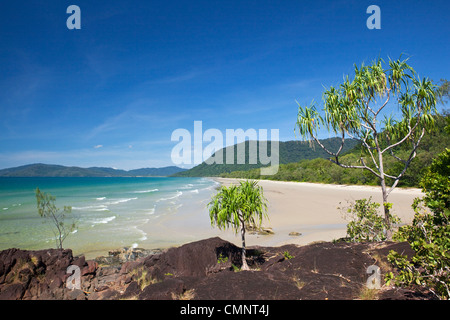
{"points": [[312, 210], [308, 208]]}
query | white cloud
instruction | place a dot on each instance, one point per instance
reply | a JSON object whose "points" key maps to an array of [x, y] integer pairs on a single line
{"points": [[98, 146]]}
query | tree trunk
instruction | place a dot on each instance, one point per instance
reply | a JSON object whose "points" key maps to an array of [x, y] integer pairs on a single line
{"points": [[244, 261], [387, 215]]}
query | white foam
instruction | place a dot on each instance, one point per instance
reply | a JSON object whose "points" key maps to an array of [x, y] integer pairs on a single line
{"points": [[100, 207], [104, 220], [146, 191], [134, 245], [179, 193], [101, 198], [194, 191], [187, 186], [144, 235], [120, 201], [150, 211]]}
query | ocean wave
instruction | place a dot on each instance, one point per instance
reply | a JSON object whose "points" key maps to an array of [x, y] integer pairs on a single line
{"points": [[101, 209], [100, 199], [96, 208], [149, 211], [120, 201], [194, 191], [146, 191], [104, 220], [179, 193], [143, 233]]}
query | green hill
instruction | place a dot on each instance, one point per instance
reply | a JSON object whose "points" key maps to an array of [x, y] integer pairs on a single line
{"points": [[323, 171], [50, 170], [289, 151]]}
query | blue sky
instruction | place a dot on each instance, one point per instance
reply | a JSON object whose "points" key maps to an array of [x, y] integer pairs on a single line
{"points": [[112, 93]]}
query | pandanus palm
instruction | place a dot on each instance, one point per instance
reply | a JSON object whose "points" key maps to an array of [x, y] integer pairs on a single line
{"points": [[353, 110], [238, 206]]}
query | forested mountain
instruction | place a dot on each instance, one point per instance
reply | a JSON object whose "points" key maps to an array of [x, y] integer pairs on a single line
{"points": [[289, 151], [49, 170], [323, 171]]}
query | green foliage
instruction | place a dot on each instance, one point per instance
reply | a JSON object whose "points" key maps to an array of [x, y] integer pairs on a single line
{"points": [[48, 170], [222, 259], [353, 108], [443, 92], [235, 268], [436, 185], [289, 152], [365, 222], [238, 207], [348, 107], [47, 209], [429, 234], [287, 255], [319, 170]]}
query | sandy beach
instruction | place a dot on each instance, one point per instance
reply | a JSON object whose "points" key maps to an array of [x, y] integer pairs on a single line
{"points": [[312, 210], [309, 209]]}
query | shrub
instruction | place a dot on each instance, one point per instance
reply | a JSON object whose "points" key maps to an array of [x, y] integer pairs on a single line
{"points": [[428, 235], [366, 224], [47, 209]]}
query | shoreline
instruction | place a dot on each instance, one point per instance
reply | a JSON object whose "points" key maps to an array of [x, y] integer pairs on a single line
{"points": [[312, 209], [299, 213]]}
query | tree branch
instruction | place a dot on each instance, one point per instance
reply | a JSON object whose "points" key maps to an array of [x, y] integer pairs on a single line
{"points": [[412, 155], [411, 130], [385, 103], [355, 167]]}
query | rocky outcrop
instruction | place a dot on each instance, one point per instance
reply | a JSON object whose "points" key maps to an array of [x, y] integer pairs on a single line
{"points": [[119, 256], [206, 269], [37, 274]]}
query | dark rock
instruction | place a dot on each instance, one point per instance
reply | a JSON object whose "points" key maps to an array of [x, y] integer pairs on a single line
{"points": [[79, 261], [133, 290], [108, 294], [13, 291], [120, 256], [102, 288], [89, 268], [206, 270], [170, 289], [193, 259], [75, 294]]}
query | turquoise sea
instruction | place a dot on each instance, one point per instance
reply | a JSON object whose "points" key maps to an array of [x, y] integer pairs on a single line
{"points": [[110, 213]]}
